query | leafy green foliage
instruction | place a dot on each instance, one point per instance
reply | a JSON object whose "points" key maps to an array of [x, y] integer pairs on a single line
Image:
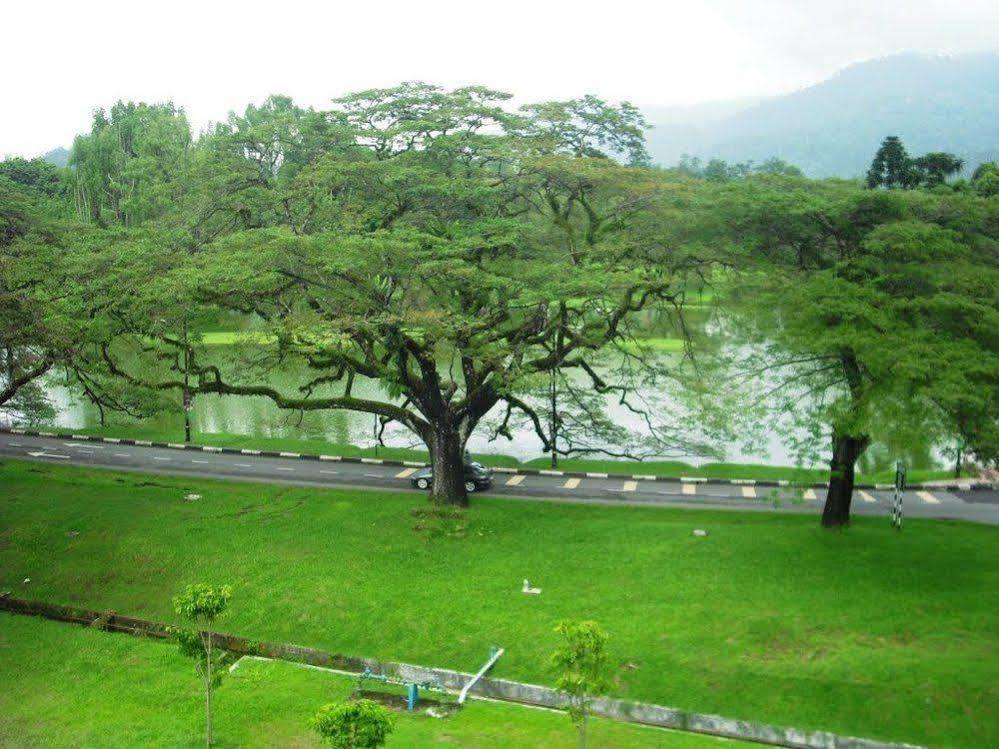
{"points": [[581, 665], [879, 306], [127, 166], [356, 724], [893, 168], [202, 603]]}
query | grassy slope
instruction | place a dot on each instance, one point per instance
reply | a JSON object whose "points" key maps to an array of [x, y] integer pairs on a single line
{"points": [[869, 631], [673, 468], [122, 691]]}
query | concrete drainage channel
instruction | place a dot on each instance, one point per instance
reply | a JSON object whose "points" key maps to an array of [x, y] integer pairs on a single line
{"points": [[486, 687], [959, 485]]}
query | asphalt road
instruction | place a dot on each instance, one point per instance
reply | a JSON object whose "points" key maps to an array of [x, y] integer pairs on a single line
{"points": [[980, 505]]}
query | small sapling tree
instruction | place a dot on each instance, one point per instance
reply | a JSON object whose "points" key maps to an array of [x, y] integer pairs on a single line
{"points": [[357, 724], [203, 606], [581, 664]]}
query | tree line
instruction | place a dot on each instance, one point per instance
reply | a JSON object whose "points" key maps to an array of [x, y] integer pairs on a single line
{"points": [[460, 252]]}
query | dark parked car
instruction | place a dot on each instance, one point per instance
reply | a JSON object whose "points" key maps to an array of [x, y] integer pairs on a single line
{"points": [[478, 478]]}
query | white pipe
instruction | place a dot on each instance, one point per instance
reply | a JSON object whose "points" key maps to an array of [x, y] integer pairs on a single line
{"points": [[482, 671]]}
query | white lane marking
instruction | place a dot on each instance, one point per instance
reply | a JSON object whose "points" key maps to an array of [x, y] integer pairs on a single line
{"points": [[928, 498], [122, 455], [282, 468], [570, 484], [83, 447], [810, 494], [203, 462], [629, 486], [405, 473], [242, 465], [515, 480], [48, 455], [689, 488], [157, 457], [865, 496], [330, 472], [749, 492], [15, 444]]}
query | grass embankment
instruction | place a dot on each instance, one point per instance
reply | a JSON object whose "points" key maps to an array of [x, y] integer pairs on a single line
{"points": [[115, 690], [868, 631], [671, 468]]}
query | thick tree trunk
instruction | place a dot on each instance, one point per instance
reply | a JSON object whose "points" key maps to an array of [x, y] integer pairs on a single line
{"points": [[846, 451], [447, 455]]}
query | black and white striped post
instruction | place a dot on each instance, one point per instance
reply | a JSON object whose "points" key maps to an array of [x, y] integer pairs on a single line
{"points": [[896, 505]]}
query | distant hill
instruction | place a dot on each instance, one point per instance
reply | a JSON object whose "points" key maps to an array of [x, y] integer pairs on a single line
{"points": [[57, 156], [834, 127]]}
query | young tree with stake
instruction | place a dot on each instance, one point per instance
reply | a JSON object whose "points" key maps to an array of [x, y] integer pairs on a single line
{"points": [[582, 667], [203, 606]]}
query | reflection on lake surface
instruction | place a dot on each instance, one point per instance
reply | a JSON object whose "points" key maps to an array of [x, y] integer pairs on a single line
{"points": [[258, 416]]}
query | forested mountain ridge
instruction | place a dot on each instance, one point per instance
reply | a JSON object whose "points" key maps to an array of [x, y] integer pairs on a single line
{"points": [[832, 128]]}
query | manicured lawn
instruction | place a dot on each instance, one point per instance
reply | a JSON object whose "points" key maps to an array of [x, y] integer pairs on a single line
{"points": [[868, 631], [67, 686], [672, 468]]}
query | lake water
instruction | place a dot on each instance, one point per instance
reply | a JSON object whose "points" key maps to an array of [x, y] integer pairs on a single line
{"points": [[762, 442]]}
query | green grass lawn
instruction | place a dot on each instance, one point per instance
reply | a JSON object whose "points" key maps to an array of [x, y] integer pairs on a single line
{"points": [[114, 691], [868, 631], [672, 468]]}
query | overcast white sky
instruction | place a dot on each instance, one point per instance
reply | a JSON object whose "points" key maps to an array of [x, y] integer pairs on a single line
{"points": [[60, 60]]}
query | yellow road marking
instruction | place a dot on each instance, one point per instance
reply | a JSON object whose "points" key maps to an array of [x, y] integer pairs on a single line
{"points": [[810, 494], [865, 496], [749, 492], [928, 498], [689, 489], [405, 473], [514, 480], [629, 486], [570, 484]]}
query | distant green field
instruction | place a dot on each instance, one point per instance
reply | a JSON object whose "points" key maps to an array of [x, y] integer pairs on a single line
{"points": [[672, 468], [67, 686], [868, 631]]}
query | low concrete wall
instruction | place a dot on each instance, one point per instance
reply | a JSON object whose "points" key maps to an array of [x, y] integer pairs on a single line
{"points": [[500, 689]]}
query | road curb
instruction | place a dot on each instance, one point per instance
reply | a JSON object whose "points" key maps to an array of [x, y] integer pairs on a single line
{"points": [[970, 485]]}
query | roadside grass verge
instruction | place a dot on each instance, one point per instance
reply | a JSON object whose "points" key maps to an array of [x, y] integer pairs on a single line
{"points": [[769, 618], [116, 690], [669, 468]]}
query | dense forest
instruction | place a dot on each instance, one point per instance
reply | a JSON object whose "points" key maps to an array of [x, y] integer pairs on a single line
{"points": [[464, 254]]}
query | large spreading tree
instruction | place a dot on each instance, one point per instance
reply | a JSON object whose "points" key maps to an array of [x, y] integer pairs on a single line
{"points": [[448, 250], [878, 309]]}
